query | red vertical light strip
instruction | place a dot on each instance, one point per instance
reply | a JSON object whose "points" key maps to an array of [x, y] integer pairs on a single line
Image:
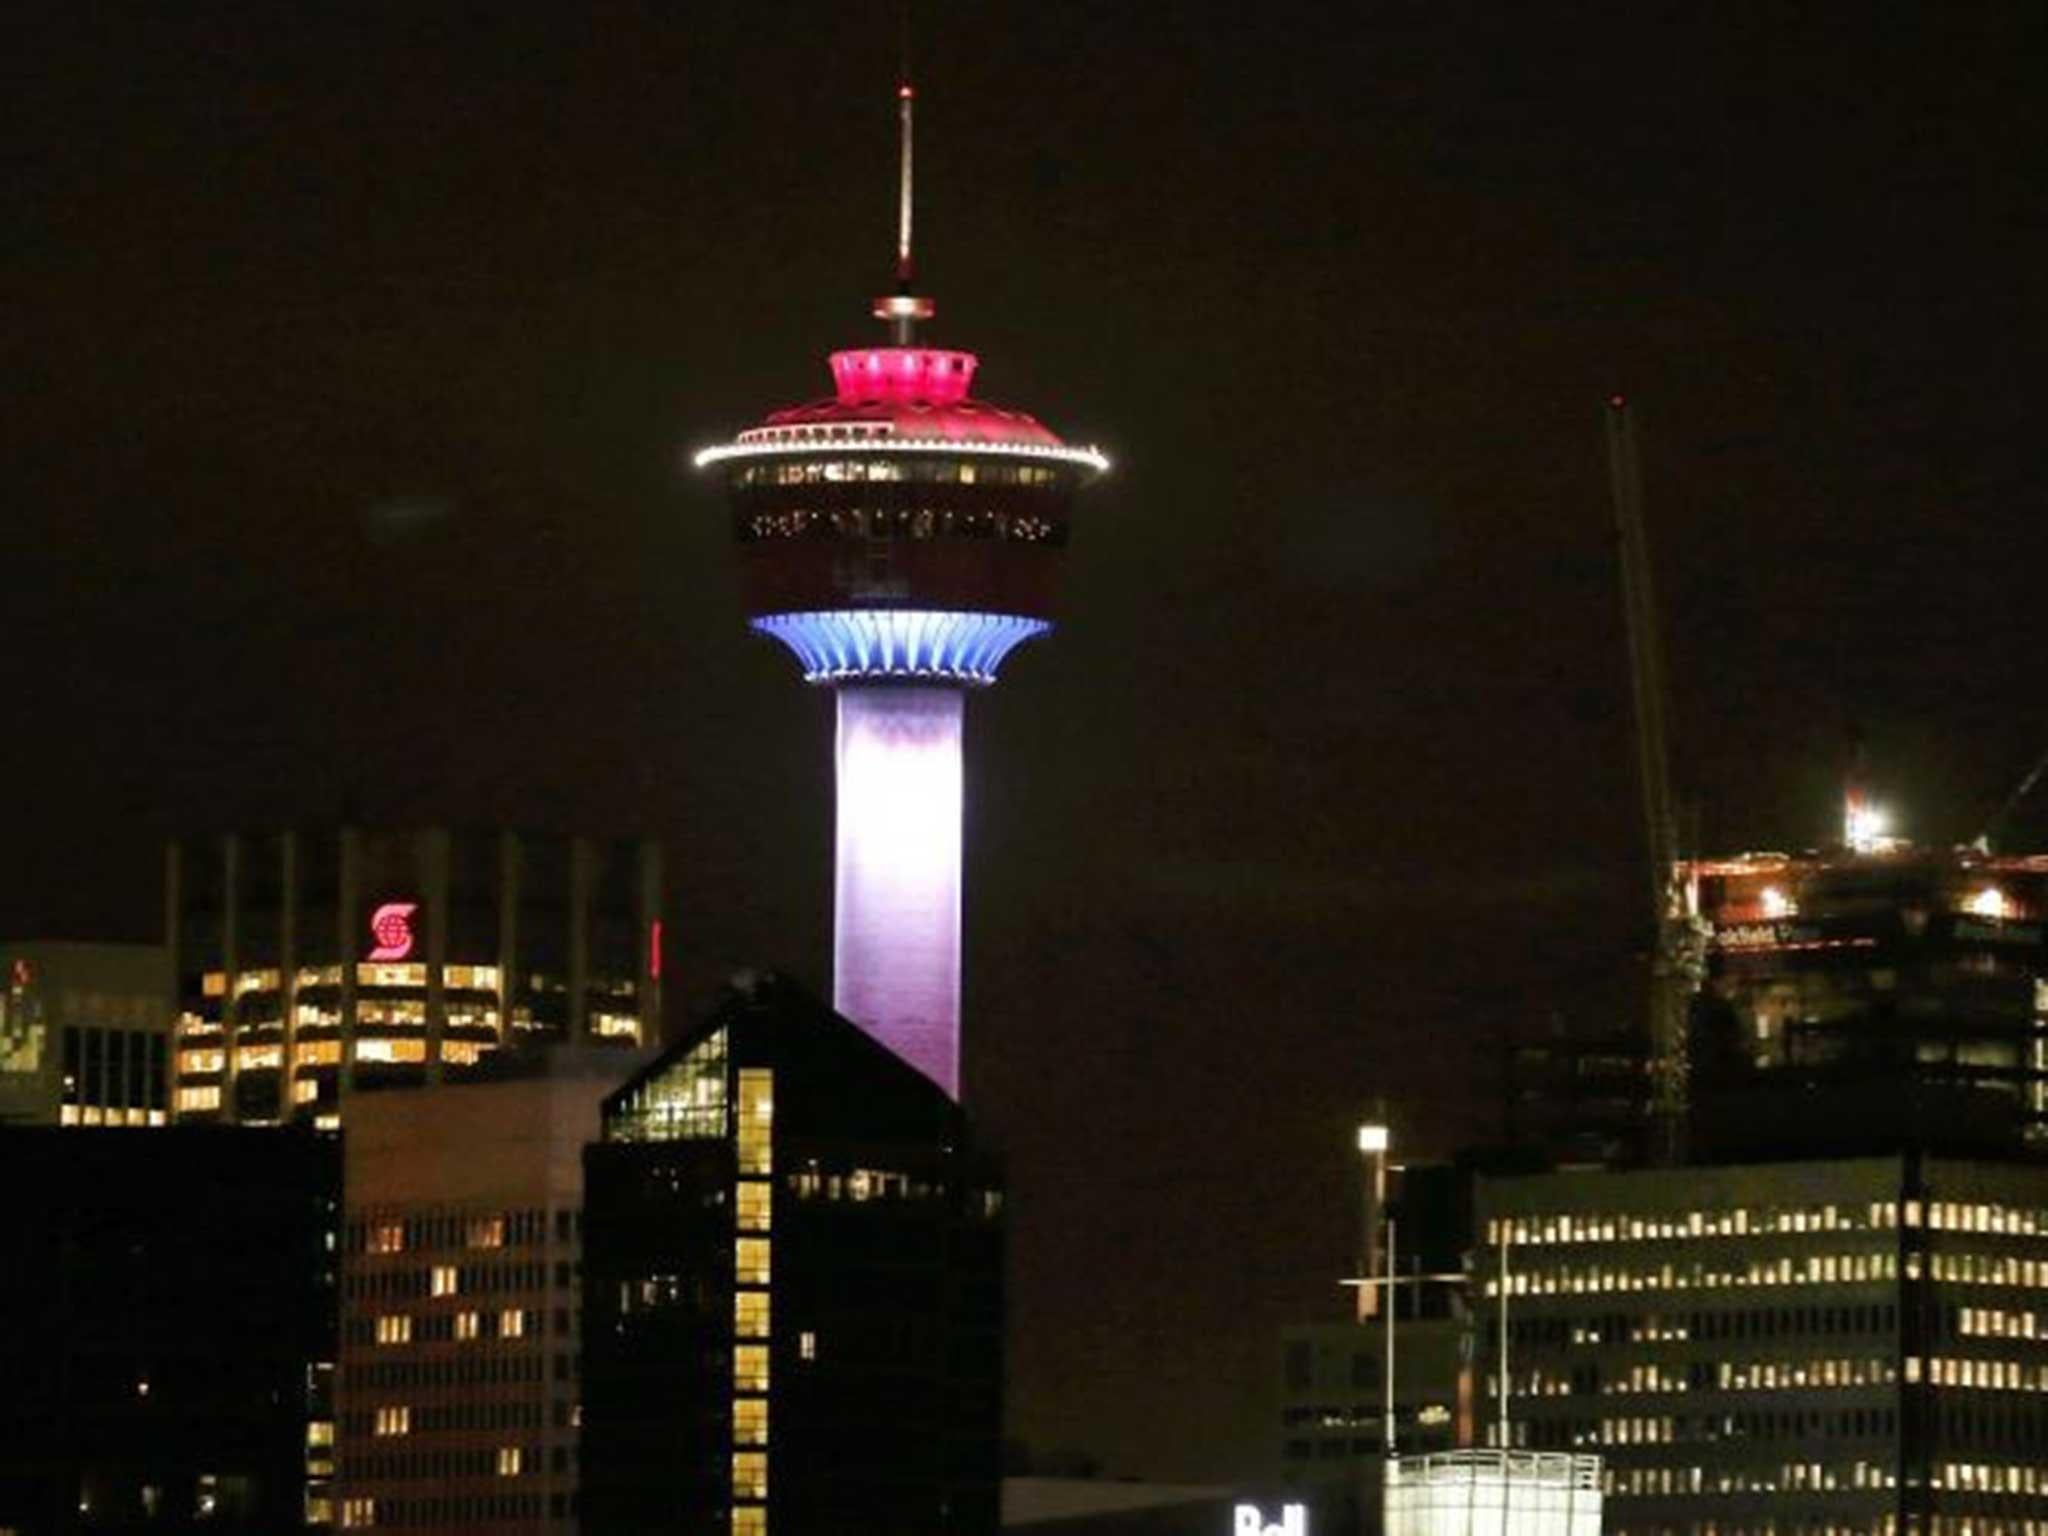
{"points": [[654, 950]]}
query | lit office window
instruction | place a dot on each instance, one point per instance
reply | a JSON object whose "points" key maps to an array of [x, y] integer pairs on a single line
{"points": [[468, 1325], [615, 1026], [511, 1460], [394, 1328], [750, 1421], [756, 1121], [512, 1323], [445, 1280], [391, 1050], [750, 1368], [750, 1314], [387, 1237], [369, 974], [486, 1232], [749, 1475], [394, 1420], [750, 1261], [191, 1100], [749, 1520], [755, 1205]]}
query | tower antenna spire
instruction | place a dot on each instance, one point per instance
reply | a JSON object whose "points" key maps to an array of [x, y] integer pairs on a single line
{"points": [[903, 308]]}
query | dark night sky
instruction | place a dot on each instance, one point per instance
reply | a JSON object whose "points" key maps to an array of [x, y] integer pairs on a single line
{"points": [[350, 349]]}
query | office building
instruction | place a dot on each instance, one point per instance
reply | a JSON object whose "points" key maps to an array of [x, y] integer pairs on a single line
{"points": [[792, 1289], [1808, 1348], [901, 538], [85, 1033], [309, 964], [167, 1356], [462, 1249]]}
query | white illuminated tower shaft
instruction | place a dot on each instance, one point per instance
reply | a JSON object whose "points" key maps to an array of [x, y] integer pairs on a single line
{"points": [[896, 899]]}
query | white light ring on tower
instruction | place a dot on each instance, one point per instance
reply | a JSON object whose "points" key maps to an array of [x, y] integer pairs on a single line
{"points": [[842, 644], [968, 448]]}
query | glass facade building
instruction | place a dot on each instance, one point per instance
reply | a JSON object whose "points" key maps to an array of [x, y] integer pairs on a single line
{"points": [[792, 1289]]}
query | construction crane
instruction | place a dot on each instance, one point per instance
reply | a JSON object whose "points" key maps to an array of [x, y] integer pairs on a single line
{"points": [[1679, 959]]}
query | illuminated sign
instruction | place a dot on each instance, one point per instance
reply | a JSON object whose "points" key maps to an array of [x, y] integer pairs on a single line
{"points": [[391, 927], [1245, 1520]]}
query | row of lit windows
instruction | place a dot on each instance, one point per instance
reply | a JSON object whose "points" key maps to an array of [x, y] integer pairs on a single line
{"points": [[1700, 1274], [1733, 1221], [467, 1512], [369, 973], [1980, 1477], [398, 1327], [445, 1280], [1980, 1269], [94, 1114], [1981, 1375], [461, 1229], [1708, 1376], [1991, 1322], [1878, 1215], [315, 1053], [927, 469], [899, 523], [433, 1418], [1791, 1477]]}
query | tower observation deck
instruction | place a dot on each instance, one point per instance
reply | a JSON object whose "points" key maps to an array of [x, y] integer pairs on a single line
{"points": [[901, 537]]}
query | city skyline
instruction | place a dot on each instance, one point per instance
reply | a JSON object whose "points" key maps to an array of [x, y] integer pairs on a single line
{"points": [[357, 352]]}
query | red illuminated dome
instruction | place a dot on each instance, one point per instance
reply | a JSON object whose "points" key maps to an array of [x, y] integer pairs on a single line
{"points": [[910, 392]]}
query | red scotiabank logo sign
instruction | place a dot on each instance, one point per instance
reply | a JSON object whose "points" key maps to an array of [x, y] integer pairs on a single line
{"points": [[391, 927]]}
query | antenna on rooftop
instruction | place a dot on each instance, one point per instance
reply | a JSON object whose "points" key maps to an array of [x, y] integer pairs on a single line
{"points": [[903, 309]]}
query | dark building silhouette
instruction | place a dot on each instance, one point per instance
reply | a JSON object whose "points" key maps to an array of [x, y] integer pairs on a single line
{"points": [[792, 1288], [166, 1359]]}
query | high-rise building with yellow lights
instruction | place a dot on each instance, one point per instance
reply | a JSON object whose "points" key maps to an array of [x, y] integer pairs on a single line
{"points": [[461, 1273], [1810, 1348], [792, 1289], [306, 965]]}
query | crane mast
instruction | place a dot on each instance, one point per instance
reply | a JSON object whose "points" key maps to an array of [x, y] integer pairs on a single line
{"points": [[1676, 963]]}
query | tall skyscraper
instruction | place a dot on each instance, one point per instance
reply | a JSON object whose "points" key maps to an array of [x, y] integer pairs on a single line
{"points": [[901, 538]]}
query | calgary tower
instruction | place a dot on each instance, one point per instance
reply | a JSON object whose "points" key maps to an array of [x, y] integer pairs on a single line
{"points": [[901, 537]]}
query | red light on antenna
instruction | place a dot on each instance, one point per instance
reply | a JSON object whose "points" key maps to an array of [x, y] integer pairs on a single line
{"points": [[904, 92], [1617, 401], [654, 950]]}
